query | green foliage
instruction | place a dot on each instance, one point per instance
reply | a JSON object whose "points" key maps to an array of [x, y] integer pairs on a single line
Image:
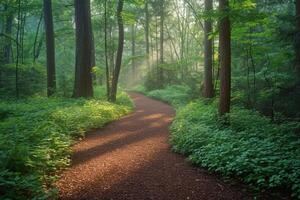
{"points": [[31, 80], [140, 89], [35, 139], [175, 94], [174, 73], [252, 148]]}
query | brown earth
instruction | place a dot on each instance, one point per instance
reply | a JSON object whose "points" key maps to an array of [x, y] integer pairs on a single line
{"points": [[132, 159]]}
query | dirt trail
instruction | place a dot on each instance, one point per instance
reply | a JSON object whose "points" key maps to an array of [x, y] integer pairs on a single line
{"points": [[131, 159]]}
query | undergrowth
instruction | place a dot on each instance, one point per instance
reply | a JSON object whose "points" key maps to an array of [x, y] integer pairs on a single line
{"points": [[252, 149], [262, 154], [36, 135], [176, 95]]}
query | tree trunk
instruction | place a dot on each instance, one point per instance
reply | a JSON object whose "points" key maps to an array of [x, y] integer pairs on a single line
{"points": [[50, 47], [83, 75], [106, 55], [8, 31], [297, 45], [162, 18], [133, 52], [115, 79], [147, 21], [22, 34], [208, 81], [18, 49], [225, 59], [36, 38], [39, 47]]}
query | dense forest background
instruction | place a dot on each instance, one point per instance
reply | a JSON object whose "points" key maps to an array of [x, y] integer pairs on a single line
{"points": [[238, 61], [163, 46]]}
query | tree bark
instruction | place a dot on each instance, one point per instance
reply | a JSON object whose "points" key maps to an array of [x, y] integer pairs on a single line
{"points": [[147, 21], [50, 47], [115, 79], [133, 51], [36, 38], [225, 58], [83, 74], [106, 52], [297, 45], [8, 31], [162, 18], [208, 50], [18, 50]]}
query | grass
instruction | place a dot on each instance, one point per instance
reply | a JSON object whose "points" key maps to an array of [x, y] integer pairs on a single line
{"points": [[36, 135]]}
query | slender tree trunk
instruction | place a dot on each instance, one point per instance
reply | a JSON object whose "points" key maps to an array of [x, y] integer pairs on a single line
{"points": [[36, 37], [133, 52], [18, 49], [225, 59], [162, 19], [83, 75], [297, 45], [50, 47], [93, 58], [115, 79], [8, 31], [147, 21], [208, 80], [105, 49], [111, 50], [22, 34], [156, 40], [39, 47]]}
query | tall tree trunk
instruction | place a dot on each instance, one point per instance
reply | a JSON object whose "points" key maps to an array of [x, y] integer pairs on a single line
{"points": [[133, 52], [106, 55], [39, 47], [297, 45], [18, 50], [162, 19], [93, 60], [50, 47], [115, 79], [147, 21], [111, 50], [83, 75], [22, 34], [8, 31], [36, 37], [208, 50], [225, 58]]}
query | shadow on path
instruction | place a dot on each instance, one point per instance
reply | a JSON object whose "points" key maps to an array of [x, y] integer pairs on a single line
{"points": [[131, 159]]}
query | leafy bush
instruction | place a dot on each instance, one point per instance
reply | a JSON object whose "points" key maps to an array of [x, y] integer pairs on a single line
{"points": [[140, 89], [252, 148], [176, 94], [31, 80], [35, 139]]}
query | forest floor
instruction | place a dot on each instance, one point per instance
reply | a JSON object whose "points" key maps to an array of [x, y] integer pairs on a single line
{"points": [[132, 159]]}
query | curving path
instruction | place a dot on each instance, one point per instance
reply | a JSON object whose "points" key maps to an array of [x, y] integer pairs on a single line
{"points": [[131, 159]]}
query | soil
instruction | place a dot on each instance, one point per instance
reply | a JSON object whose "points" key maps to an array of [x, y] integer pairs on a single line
{"points": [[132, 159]]}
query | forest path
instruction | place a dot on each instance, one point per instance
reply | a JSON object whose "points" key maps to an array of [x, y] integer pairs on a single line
{"points": [[131, 159]]}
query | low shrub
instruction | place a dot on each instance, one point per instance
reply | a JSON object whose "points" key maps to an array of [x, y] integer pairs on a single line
{"points": [[252, 148], [140, 89], [35, 139], [176, 94]]}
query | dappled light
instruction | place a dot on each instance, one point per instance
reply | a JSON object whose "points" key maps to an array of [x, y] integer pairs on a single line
{"points": [[138, 160], [149, 99]]}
